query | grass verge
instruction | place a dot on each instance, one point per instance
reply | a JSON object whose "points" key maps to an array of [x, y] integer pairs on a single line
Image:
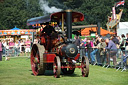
{"points": [[17, 71]]}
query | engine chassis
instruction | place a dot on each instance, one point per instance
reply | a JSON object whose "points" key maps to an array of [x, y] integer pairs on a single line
{"points": [[49, 61]]}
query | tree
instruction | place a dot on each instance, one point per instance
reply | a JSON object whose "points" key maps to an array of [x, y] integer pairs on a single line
{"points": [[16, 12]]}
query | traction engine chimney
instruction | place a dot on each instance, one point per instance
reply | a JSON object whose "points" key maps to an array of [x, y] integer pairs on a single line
{"points": [[69, 23]]}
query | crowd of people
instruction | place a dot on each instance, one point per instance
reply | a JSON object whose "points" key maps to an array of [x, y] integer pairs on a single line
{"points": [[100, 48], [20, 46], [97, 49]]}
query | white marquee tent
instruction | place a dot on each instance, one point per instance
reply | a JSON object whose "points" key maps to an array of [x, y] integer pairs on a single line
{"points": [[123, 28]]}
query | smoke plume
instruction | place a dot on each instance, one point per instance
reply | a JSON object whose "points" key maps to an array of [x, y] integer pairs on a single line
{"points": [[44, 6]]}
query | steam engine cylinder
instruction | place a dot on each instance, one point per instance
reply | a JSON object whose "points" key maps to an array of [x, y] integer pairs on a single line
{"points": [[70, 50]]}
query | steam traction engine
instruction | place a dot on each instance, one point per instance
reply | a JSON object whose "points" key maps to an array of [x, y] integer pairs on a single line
{"points": [[57, 52]]}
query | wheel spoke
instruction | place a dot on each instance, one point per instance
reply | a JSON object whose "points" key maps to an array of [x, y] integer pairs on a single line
{"points": [[85, 67], [56, 67], [37, 57]]}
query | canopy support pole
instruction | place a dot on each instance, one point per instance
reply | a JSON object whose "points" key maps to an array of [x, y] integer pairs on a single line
{"points": [[62, 22]]}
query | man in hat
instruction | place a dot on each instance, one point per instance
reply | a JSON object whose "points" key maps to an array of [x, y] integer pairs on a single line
{"points": [[48, 29]]}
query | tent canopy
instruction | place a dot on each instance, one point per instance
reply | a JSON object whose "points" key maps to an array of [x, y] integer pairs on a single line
{"points": [[17, 32], [15, 28], [103, 32]]}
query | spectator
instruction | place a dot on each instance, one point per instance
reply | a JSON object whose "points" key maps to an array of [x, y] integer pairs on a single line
{"points": [[126, 44], [115, 40], [4, 46], [92, 54], [96, 42], [11, 44], [7, 46], [19, 41], [123, 41], [122, 45], [22, 49], [102, 51], [88, 49], [16, 48], [27, 43], [82, 48], [118, 47], [77, 41], [0, 50], [112, 50]]}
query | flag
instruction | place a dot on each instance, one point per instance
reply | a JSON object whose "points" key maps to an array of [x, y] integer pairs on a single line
{"points": [[113, 13], [120, 3]]}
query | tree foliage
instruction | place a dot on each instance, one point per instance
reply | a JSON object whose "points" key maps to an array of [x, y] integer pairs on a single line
{"points": [[96, 10], [16, 12]]}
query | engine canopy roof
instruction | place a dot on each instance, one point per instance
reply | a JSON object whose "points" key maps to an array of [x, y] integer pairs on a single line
{"points": [[76, 17]]}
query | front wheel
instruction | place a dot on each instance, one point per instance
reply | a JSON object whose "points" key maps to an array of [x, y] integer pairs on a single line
{"points": [[56, 67], [85, 66]]}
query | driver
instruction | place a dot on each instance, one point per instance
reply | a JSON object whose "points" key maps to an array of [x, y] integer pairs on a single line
{"points": [[48, 29]]}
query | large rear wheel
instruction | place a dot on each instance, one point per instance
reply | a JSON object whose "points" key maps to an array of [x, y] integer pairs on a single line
{"points": [[56, 67], [37, 65], [85, 66]]}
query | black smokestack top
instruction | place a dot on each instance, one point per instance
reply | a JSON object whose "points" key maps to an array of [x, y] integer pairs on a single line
{"points": [[69, 23]]}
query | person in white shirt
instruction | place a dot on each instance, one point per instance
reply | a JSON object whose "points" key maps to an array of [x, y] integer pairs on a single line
{"points": [[22, 49]]}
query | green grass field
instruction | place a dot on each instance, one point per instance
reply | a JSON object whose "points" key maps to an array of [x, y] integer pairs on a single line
{"points": [[17, 71]]}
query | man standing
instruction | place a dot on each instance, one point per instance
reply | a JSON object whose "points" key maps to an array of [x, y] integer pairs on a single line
{"points": [[82, 49], [112, 49], [115, 40], [77, 41]]}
